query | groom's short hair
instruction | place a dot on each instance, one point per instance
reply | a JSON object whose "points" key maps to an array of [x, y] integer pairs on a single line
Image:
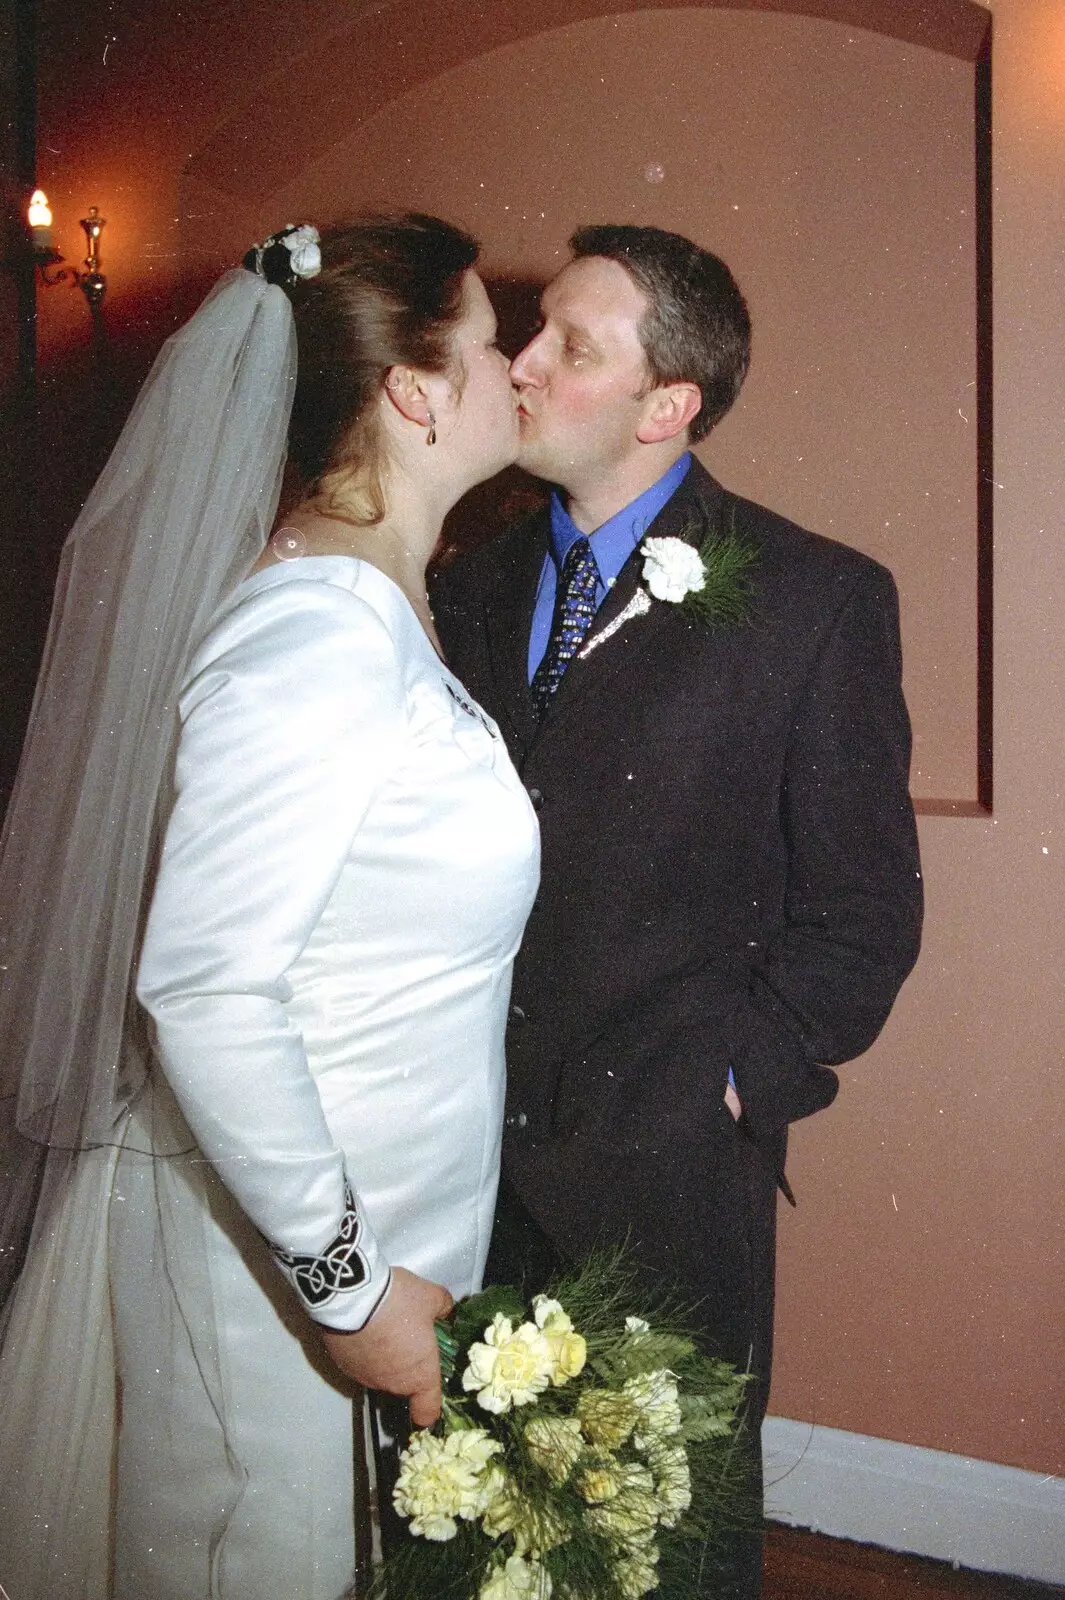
{"points": [[696, 328]]}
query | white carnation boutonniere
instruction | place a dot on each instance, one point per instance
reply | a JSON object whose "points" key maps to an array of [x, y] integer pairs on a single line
{"points": [[711, 582], [672, 570]]}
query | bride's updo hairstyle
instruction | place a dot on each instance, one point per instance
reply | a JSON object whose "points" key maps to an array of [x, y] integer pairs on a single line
{"points": [[389, 293]]}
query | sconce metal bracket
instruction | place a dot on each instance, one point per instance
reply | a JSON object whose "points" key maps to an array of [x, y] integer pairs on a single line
{"points": [[91, 282]]}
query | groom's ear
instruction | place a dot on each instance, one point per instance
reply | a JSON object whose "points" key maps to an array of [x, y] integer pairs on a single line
{"points": [[668, 410], [407, 391]]}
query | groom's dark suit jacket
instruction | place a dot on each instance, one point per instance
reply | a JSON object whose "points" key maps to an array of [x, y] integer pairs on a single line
{"points": [[730, 877]]}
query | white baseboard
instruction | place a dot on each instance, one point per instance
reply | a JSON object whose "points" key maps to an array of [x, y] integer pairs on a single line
{"points": [[927, 1502]]}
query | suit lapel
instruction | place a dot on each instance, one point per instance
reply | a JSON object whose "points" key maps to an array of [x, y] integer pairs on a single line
{"points": [[508, 618]]}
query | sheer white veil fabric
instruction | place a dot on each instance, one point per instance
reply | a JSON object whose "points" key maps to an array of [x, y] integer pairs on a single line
{"points": [[179, 514]]}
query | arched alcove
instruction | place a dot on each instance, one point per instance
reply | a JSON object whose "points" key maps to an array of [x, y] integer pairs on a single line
{"points": [[403, 43], [834, 165]]}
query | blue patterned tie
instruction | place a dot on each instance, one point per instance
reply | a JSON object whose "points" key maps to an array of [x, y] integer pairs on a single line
{"points": [[575, 606]]}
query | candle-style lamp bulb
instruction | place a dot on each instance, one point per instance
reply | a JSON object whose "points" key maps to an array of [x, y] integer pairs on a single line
{"points": [[39, 217]]}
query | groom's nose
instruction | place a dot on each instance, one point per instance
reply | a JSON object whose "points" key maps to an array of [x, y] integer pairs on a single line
{"points": [[527, 367]]}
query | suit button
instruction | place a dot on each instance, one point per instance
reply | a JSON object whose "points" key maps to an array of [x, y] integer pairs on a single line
{"points": [[521, 1119], [537, 798], [517, 1016]]}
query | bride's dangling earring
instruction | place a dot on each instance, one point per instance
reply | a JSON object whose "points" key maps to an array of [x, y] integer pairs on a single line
{"points": [[431, 437]]}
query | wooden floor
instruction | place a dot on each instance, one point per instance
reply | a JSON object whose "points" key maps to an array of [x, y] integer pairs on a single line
{"points": [[808, 1566]]}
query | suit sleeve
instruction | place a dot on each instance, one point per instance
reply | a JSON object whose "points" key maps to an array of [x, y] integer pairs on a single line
{"points": [[852, 915], [289, 727]]}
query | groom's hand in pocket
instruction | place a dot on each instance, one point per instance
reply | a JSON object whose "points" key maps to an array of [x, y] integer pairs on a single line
{"points": [[397, 1350]]}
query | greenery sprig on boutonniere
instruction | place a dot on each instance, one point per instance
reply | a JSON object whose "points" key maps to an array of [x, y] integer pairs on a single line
{"points": [[712, 583]]}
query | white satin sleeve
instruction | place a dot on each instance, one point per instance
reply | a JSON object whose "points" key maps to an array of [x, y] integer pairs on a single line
{"points": [[291, 720]]}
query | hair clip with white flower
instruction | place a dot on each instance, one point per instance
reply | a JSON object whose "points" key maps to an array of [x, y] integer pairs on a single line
{"points": [[288, 255]]}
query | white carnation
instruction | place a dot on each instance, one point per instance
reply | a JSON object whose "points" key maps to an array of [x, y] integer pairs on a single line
{"points": [[672, 569], [548, 1312], [510, 1367], [443, 1479], [535, 1528]]}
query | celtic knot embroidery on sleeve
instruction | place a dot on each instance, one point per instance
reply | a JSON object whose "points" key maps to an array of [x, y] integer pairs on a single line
{"points": [[340, 1268], [471, 710]]}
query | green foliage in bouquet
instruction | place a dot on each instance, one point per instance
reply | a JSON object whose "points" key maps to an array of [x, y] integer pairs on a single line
{"points": [[588, 1450]]}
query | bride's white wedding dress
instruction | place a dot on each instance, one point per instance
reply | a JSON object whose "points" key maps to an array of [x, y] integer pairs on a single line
{"points": [[348, 868]]}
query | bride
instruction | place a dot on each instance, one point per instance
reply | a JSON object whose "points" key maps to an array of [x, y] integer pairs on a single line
{"points": [[261, 1188]]}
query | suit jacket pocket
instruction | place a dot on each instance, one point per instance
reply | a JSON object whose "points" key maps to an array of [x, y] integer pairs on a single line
{"points": [[657, 1081]]}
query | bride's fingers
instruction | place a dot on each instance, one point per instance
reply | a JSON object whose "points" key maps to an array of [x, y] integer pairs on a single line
{"points": [[425, 1405]]}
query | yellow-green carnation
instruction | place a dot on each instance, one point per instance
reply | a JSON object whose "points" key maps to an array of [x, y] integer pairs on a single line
{"points": [[535, 1528], [636, 1575], [516, 1579], [554, 1443], [654, 1397], [511, 1367], [568, 1348], [600, 1480], [673, 1480], [444, 1479], [606, 1417], [630, 1517]]}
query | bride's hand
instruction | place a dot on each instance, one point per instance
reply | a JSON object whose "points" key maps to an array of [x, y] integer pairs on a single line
{"points": [[397, 1349]]}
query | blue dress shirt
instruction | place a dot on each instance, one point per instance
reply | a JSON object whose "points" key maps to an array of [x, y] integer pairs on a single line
{"points": [[612, 545]]}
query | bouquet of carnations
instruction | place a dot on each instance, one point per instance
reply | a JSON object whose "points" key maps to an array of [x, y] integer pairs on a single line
{"points": [[587, 1451]]}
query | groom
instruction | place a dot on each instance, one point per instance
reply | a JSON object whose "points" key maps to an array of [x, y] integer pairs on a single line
{"points": [[731, 894]]}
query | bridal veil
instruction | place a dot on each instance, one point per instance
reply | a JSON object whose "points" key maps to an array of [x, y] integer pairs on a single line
{"points": [[179, 514]]}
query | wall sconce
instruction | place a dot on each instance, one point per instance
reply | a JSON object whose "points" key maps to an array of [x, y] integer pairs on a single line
{"points": [[92, 281]]}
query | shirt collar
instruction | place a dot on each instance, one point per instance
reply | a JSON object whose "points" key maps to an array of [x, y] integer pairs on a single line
{"points": [[614, 542]]}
